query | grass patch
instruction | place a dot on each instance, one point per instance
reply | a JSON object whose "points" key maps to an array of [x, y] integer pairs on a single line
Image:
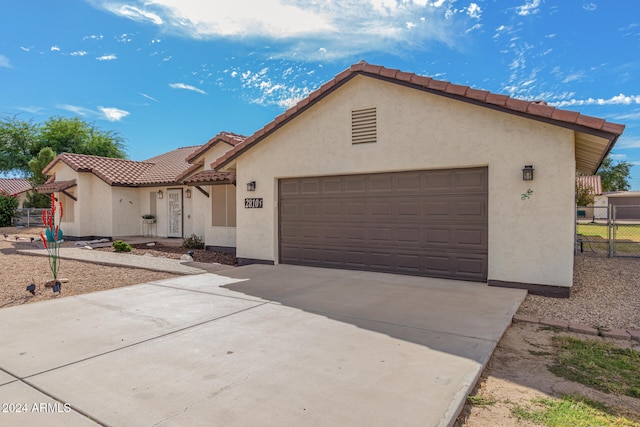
{"points": [[629, 232], [479, 400], [575, 411], [598, 364]]}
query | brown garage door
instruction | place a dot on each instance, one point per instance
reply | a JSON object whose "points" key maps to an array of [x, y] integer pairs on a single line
{"points": [[626, 207], [428, 223]]}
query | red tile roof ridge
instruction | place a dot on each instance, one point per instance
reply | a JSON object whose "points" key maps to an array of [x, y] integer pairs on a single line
{"points": [[536, 108], [228, 137]]}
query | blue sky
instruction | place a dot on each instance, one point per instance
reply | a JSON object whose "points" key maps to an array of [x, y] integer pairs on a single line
{"points": [[172, 73]]}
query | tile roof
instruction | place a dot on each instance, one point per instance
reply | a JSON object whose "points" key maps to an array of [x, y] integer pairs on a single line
{"points": [[209, 177], [166, 168], [594, 182], [14, 185], [55, 186], [228, 137], [531, 109]]}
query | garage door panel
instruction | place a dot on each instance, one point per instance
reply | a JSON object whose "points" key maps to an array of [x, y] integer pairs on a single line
{"points": [[431, 223]]}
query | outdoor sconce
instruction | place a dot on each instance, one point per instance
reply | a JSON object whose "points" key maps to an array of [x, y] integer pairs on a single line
{"points": [[251, 186], [160, 194], [188, 193], [527, 173]]}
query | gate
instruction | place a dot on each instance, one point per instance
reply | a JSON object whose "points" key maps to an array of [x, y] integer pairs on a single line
{"points": [[610, 231]]}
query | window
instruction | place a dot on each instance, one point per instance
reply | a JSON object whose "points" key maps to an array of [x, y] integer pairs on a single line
{"points": [[68, 206], [223, 205], [364, 126]]}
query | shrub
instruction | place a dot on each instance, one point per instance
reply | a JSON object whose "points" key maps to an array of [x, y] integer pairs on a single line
{"points": [[8, 208], [193, 242], [121, 246]]}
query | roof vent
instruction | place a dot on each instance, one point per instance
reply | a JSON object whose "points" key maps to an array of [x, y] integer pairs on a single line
{"points": [[364, 126]]}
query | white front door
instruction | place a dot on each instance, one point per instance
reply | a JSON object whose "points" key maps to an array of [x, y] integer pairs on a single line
{"points": [[175, 212]]}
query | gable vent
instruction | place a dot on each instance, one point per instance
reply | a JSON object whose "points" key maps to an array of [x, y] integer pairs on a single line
{"points": [[364, 126]]}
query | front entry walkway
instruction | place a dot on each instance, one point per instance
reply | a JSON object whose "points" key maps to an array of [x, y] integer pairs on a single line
{"points": [[257, 345]]}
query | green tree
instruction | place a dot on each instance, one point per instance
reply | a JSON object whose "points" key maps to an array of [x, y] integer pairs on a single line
{"points": [[615, 177], [21, 141], [584, 196], [8, 208], [37, 164]]}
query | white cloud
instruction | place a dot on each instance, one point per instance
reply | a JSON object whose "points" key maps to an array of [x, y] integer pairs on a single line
{"points": [[81, 111], [186, 87], [529, 8], [343, 27], [149, 97], [55, 48], [474, 11], [475, 27], [78, 53], [93, 37], [109, 57], [614, 100], [590, 7], [133, 13], [4, 62], [113, 114], [627, 142], [25, 49], [265, 90], [574, 77]]}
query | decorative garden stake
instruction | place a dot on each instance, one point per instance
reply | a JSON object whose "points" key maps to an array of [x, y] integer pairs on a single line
{"points": [[51, 241]]}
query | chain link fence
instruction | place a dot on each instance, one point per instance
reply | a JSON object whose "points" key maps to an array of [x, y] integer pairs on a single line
{"points": [[608, 230], [29, 218]]}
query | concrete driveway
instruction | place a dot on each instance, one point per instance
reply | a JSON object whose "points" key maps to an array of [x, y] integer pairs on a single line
{"points": [[260, 345]]}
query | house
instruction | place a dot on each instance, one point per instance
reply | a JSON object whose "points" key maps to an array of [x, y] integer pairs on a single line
{"points": [[17, 186], [390, 171], [627, 205], [378, 170], [593, 185]]}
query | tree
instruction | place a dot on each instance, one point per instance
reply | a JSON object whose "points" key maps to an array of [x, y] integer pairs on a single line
{"points": [[8, 208], [21, 141], [584, 195], [615, 177], [37, 164]]}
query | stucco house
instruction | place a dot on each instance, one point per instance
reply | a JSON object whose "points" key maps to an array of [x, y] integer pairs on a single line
{"points": [[627, 204], [106, 197], [390, 171], [377, 170], [18, 186]]}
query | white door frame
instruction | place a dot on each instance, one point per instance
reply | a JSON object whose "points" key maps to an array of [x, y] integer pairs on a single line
{"points": [[174, 214]]}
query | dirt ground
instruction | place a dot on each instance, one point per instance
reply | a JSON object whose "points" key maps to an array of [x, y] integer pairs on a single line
{"points": [[516, 373]]}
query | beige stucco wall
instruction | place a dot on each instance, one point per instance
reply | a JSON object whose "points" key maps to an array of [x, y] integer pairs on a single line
{"points": [[530, 241]]}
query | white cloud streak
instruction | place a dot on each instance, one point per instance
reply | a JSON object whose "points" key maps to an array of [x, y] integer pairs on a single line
{"points": [[78, 53], [4, 62], [614, 100], [109, 57], [55, 48], [113, 114], [144, 95], [186, 87]]}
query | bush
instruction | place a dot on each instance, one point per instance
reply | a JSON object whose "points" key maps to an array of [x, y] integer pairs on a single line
{"points": [[8, 208], [121, 246], [193, 242]]}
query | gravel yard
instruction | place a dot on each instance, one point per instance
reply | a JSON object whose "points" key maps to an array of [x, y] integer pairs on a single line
{"points": [[605, 294]]}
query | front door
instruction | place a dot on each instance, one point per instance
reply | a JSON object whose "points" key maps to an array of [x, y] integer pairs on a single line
{"points": [[175, 213]]}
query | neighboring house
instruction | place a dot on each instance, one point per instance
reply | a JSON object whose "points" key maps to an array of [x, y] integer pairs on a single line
{"points": [[627, 204], [17, 186], [107, 197], [389, 171]]}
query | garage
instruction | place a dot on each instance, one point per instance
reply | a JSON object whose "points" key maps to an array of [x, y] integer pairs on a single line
{"points": [[428, 223], [626, 207]]}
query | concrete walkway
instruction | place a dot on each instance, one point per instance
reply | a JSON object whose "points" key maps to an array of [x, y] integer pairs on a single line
{"points": [[122, 259], [257, 345]]}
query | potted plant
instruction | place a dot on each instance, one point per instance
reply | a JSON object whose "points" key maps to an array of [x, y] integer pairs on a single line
{"points": [[149, 218]]}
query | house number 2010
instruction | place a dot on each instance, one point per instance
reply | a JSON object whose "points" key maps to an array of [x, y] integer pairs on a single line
{"points": [[253, 203]]}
